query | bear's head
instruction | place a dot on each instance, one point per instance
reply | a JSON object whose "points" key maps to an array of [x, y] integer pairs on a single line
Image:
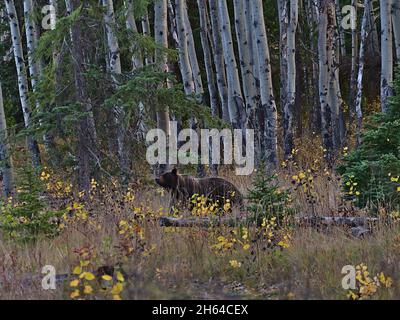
{"points": [[168, 180]]}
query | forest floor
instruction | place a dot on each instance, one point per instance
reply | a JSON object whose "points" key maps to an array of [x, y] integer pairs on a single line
{"points": [[116, 232]]}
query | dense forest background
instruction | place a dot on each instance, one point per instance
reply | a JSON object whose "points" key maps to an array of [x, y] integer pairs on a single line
{"points": [[83, 82]]}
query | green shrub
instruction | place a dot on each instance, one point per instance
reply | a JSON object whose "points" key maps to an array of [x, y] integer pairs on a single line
{"points": [[266, 199], [27, 216], [371, 172]]}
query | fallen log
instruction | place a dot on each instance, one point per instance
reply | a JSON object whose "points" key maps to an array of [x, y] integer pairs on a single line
{"points": [[352, 222]]}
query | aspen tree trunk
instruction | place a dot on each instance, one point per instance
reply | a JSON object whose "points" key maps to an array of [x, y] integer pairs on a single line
{"points": [[291, 79], [204, 37], [184, 60], [5, 156], [149, 59], [396, 27], [266, 89], [193, 55], [358, 101], [161, 38], [245, 54], [326, 114], [87, 136], [22, 79], [172, 23], [115, 70], [137, 59], [339, 130], [283, 50], [354, 56], [212, 88], [235, 98], [387, 54], [219, 60]]}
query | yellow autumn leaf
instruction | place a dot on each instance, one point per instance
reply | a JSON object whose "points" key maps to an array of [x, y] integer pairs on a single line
{"points": [[117, 297], [89, 276], [117, 288], [77, 270], [74, 283], [75, 294], [106, 277], [120, 277], [88, 290]]}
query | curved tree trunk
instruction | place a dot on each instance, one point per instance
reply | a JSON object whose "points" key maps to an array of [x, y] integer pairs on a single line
{"points": [[22, 79], [270, 143], [6, 164]]}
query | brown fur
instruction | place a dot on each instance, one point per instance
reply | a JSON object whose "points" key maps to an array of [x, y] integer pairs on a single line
{"points": [[214, 188]]}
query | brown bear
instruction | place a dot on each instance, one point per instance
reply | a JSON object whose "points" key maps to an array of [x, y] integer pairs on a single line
{"points": [[183, 188]]}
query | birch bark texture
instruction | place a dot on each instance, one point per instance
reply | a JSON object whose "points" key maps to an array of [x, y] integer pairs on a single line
{"points": [[114, 60], [161, 38], [22, 79], [270, 115], [245, 54], [235, 97], [288, 110], [219, 60], [358, 102], [386, 53]]}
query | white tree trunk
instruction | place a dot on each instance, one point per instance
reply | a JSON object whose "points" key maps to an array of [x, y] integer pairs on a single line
{"points": [[114, 60], [212, 89], [22, 78], [387, 53], [358, 101], [354, 62], [184, 61], [6, 164], [137, 59], [396, 27], [291, 78], [266, 89], [219, 60], [235, 98], [193, 55], [245, 54], [205, 36], [161, 38], [326, 120]]}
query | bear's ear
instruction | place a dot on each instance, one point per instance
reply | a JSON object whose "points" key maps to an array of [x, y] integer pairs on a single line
{"points": [[174, 171]]}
